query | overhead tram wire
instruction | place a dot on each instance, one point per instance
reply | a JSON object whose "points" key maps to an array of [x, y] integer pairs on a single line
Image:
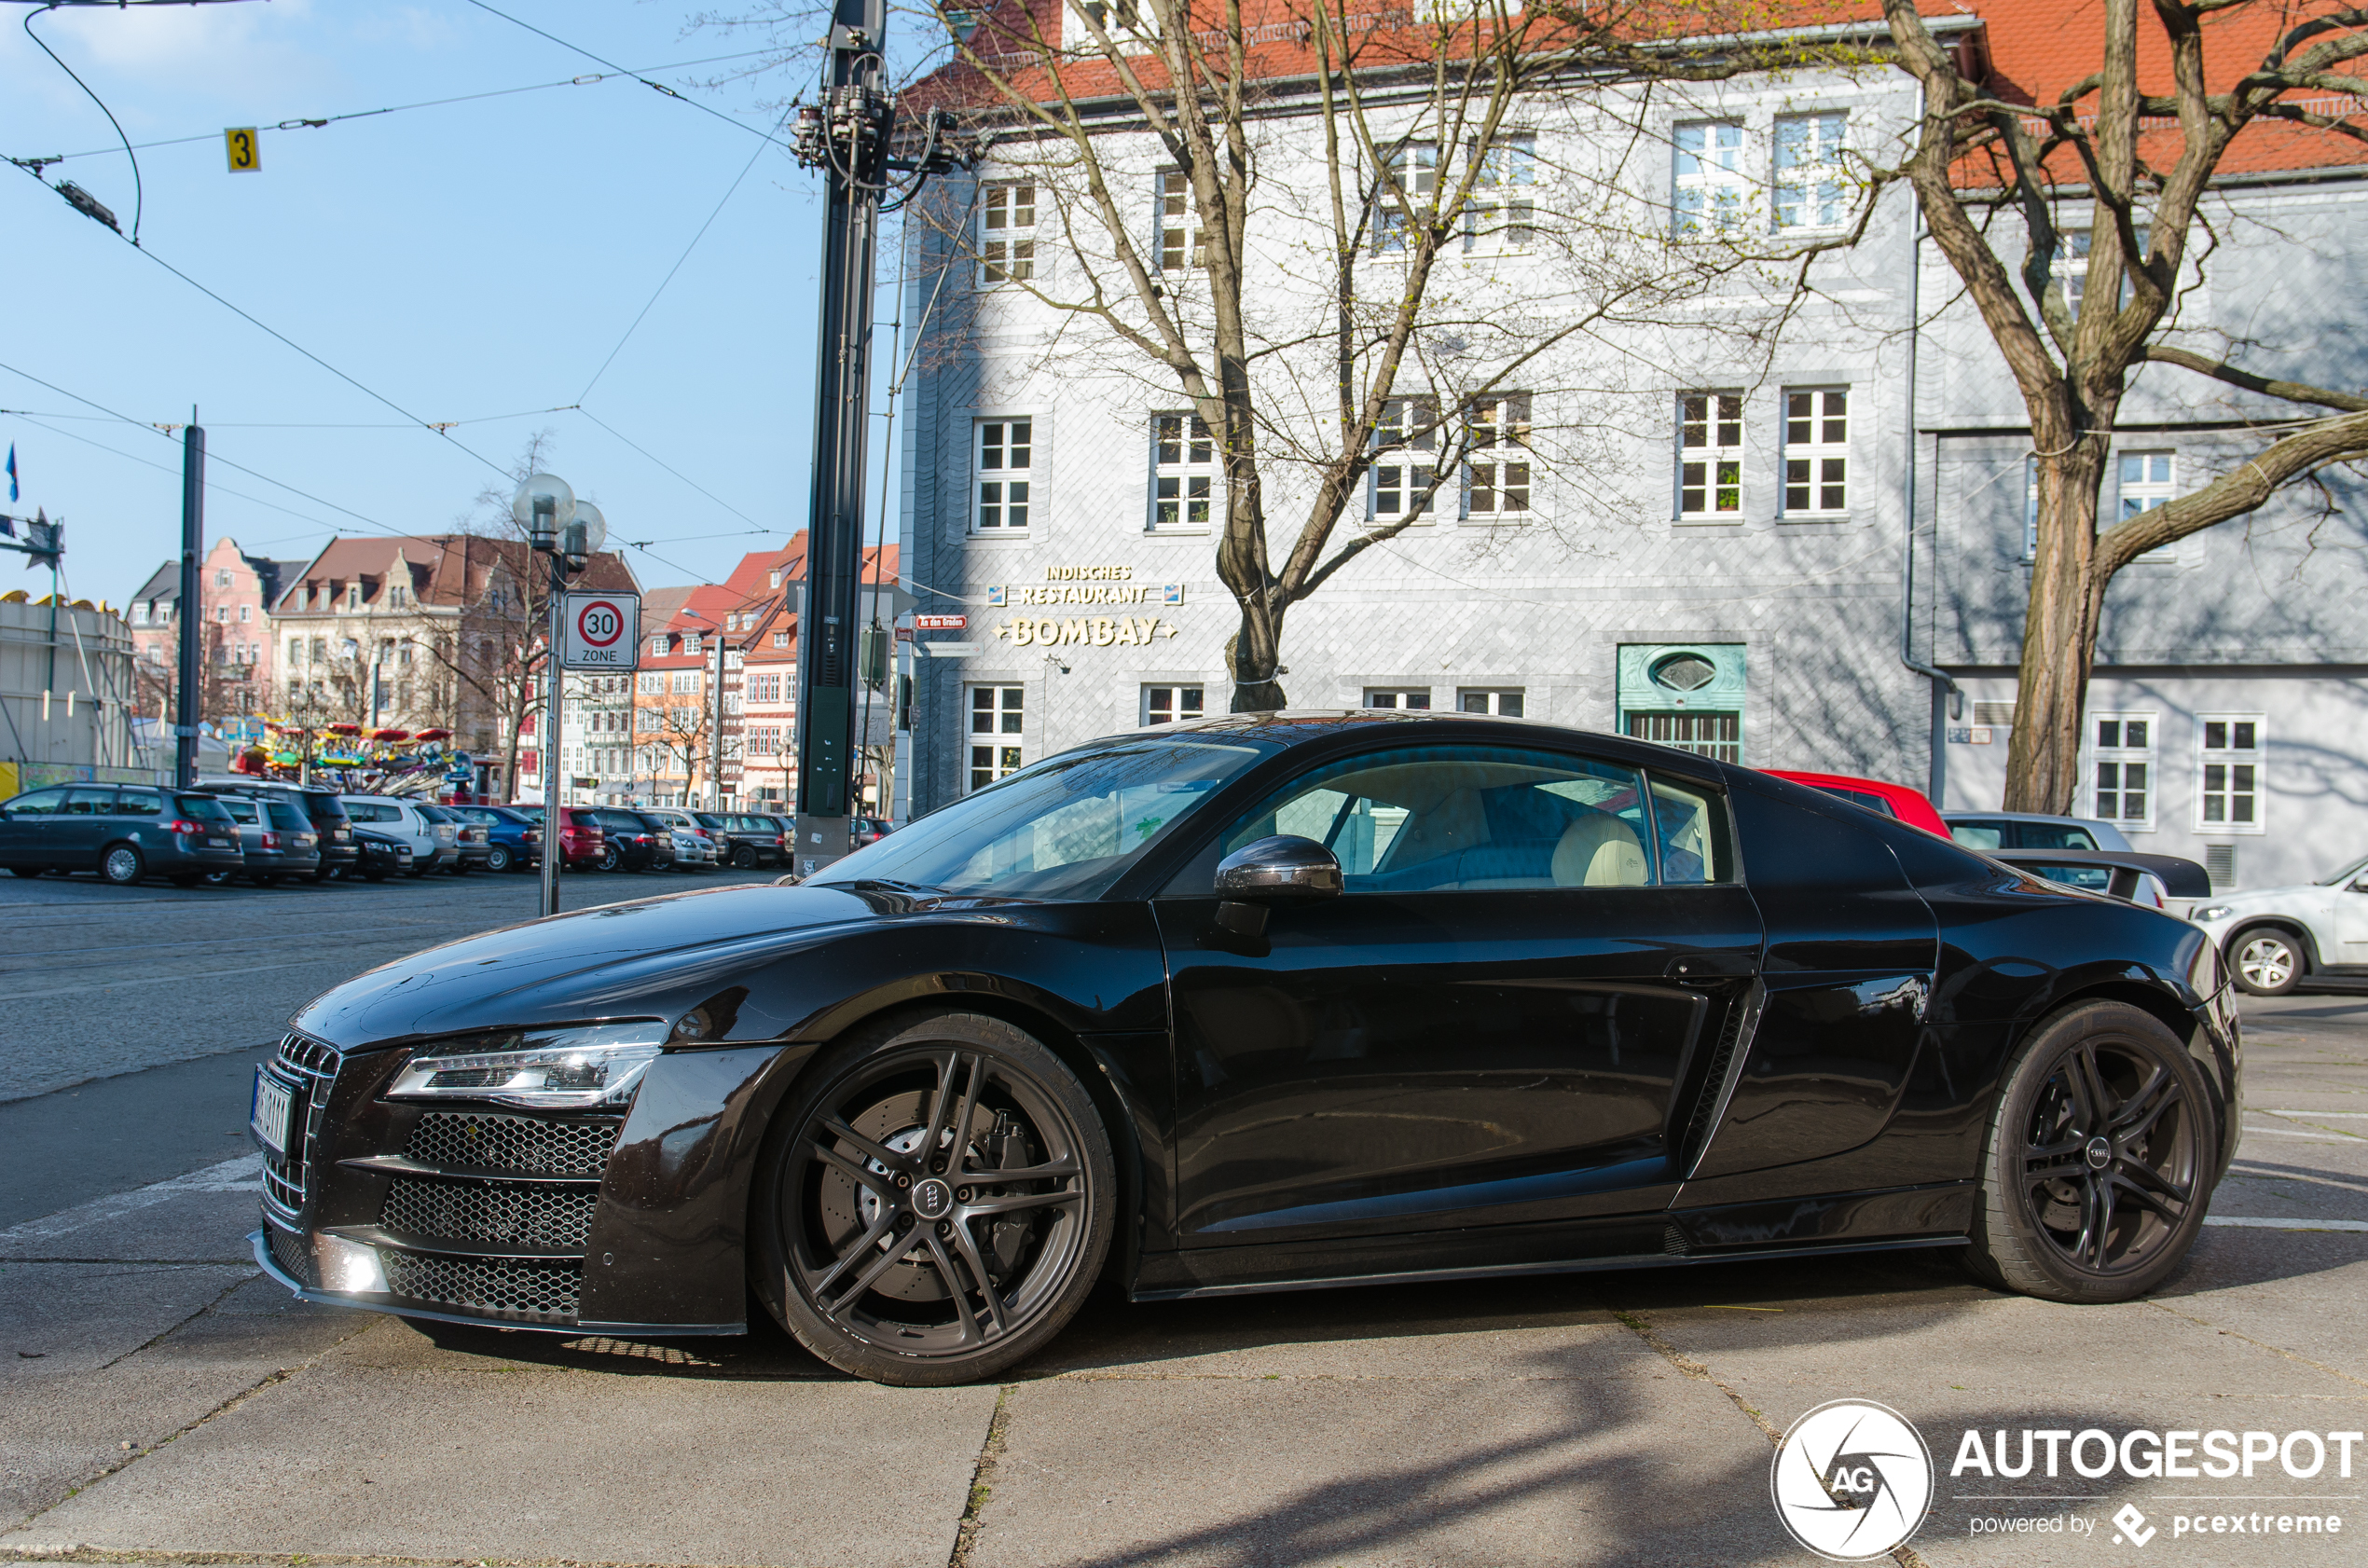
{"points": [[676, 472], [166, 468], [139, 192], [310, 122]]}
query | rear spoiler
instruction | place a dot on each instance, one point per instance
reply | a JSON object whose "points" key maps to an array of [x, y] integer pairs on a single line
{"points": [[2181, 878]]}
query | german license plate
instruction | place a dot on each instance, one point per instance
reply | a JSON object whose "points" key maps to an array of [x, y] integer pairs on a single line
{"points": [[217, 844], [269, 1116]]}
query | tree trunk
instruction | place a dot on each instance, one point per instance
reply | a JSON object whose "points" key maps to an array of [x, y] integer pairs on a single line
{"points": [[2059, 634], [1252, 653]]}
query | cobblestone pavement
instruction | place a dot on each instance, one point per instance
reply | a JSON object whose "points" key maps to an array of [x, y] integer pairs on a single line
{"points": [[159, 1401]]}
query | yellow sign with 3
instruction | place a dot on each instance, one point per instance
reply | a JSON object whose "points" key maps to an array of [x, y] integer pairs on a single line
{"points": [[244, 148]]}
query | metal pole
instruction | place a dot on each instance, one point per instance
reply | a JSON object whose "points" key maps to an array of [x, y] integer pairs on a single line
{"points": [[551, 808], [715, 718], [186, 711]]}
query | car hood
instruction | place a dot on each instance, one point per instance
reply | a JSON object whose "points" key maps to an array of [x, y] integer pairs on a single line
{"points": [[652, 958]]}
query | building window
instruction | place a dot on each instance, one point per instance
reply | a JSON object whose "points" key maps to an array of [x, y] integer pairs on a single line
{"points": [[295, 649], [1418, 697], [2143, 481], [654, 684], [998, 715], [1006, 451], [1167, 704], [780, 640], [354, 596], [1415, 167], [2122, 766], [1810, 191], [319, 650], [1817, 450], [1497, 484], [1503, 212], [1007, 234], [1184, 471], [1409, 426], [1712, 191], [1182, 245], [246, 614], [686, 682], [2229, 772], [1505, 703], [1718, 735], [1710, 460]]}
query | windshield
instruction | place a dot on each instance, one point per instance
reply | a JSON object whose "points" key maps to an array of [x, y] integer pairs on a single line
{"points": [[1063, 829], [2346, 873]]}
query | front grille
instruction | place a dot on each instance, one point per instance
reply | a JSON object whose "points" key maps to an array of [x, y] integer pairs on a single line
{"points": [[289, 1251], [523, 1144], [518, 1213], [548, 1290], [311, 1069]]}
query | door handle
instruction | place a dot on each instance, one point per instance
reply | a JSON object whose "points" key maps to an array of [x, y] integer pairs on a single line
{"points": [[1703, 969]]}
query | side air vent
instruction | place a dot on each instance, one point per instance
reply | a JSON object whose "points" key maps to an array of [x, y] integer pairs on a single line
{"points": [[1741, 1013]]}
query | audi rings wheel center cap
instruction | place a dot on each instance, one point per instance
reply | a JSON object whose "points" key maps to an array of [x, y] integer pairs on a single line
{"points": [[2100, 1152], [932, 1198]]}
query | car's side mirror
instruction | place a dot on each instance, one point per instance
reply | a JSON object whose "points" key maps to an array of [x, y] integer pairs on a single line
{"points": [[1284, 869]]}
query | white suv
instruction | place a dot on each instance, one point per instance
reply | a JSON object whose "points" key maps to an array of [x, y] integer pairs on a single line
{"points": [[2274, 935], [433, 844]]}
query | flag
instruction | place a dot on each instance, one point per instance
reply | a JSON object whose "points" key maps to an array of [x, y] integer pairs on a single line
{"points": [[12, 471]]}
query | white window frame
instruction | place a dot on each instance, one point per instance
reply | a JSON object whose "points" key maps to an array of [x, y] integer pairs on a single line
{"points": [[1414, 165], [998, 436], [1408, 425], [1000, 748], [2120, 757], [1191, 480], [1007, 247], [1180, 701], [1501, 423], [2148, 491], [1816, 479], [1182, 246], [2232, 758], [1502, 702], [1501, 217], [1400, 697], [1710, 455], [1710, 182], [1809, 179]]}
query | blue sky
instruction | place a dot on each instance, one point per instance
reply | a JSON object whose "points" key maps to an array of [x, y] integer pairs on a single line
{"points": [[469, 261]]}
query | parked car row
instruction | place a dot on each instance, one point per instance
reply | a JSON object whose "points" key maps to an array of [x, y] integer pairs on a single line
{"points": [[230, 829]]}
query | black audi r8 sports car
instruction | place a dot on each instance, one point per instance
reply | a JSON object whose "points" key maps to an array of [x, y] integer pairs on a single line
{"points": [[1252, 1003]]}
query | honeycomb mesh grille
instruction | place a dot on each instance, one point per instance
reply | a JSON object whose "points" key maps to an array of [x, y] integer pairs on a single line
{"points": [[1722, 1056], [547, 1290], [525, 1144], [555, 1217], [292, 1255]]}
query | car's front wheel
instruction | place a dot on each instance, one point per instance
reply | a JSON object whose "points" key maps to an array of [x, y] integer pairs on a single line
{"points": [[2268, 961], [936, 1203], [2101, 1160]]}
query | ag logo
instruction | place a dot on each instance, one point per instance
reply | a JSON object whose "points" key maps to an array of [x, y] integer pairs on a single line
{"points": [[1853, 1480]]}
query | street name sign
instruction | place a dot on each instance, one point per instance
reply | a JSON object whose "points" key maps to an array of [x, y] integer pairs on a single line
{"points": [[599, 631]]}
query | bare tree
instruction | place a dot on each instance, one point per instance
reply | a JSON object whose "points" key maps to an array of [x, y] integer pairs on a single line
{"points": [[2144, 162]]}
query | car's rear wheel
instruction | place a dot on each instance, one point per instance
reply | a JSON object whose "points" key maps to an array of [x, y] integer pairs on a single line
{"points": [[2100, 1162], [744, 858], [122, 865], [2267, 960], [936, 1203], [498, 860], [612, 859]]}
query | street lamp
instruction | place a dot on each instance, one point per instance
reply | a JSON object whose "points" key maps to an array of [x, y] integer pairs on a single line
{"points": [[570, 532]]}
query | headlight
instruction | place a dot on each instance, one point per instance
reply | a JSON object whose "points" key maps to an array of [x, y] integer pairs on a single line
{"points": [[2211, 912], [550, 1069]]}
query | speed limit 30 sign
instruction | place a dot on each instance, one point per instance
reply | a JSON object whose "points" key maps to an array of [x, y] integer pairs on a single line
{"points": [[599, 631]]}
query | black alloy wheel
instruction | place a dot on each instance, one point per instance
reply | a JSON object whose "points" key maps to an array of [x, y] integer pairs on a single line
{"points": [[935, 1203], [2100, 1163], [2266, 961], [498, 860], [121, 864]]}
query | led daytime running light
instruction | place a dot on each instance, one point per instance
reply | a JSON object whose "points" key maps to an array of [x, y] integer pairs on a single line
{"points": [[557, 1069]]}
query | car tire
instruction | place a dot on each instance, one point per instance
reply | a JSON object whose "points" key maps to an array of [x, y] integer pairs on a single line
{"points": [[2266, 960], [216, 879], [612, 859], [324, 874], [121, 864], [2099, 1161], [498, 860], [840, 1181], [744, 858]]}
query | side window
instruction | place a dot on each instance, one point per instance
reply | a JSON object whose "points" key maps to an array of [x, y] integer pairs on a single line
{"points": [[1461, 819], [40, 803], [89, 802], [1696, 842], [241, 810], [1984, 836], [139, 802]]}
